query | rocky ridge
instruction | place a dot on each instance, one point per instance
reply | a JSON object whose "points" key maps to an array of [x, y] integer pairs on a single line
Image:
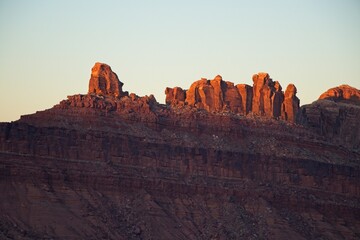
{"points": [[344, 93], [113, 165], [264, 98], [335, 115]]}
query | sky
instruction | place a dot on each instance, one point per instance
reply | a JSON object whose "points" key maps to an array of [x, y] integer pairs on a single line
{"points": [[47, 48]]}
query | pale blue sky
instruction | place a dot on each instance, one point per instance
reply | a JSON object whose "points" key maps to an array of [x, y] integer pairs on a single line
{"points": [[48, 47]]}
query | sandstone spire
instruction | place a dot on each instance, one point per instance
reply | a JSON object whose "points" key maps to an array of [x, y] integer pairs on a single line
{"points": [[291, 104], [104, 81], [265, 98]]}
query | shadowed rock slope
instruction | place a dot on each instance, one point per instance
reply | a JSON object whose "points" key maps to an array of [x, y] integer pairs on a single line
{"points": [[113, 165]]}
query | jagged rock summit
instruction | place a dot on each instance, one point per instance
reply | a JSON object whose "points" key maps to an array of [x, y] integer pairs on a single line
{"points": [[104, 81], [264, 98]]}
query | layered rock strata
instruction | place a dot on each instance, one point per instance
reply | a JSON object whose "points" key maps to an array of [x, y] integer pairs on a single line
{"points": [[335, 115], [107, 166]]}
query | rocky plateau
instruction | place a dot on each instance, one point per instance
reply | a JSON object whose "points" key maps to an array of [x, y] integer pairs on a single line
{"points": [[217, 161]]}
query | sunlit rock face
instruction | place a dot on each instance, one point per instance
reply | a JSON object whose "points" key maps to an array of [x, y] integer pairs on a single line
{"points": [[246, 94], [108, 165], [291, 104], [342, 92], [175, 95], [264, 98], [104, 81]]}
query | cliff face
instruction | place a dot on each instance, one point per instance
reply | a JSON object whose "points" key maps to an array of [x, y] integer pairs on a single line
{"points": [[265, 98], [101, 166], [335, 115]]}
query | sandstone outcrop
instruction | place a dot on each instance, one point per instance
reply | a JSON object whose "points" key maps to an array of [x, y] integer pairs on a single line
{"points": [[175, 95], [207, 94], [262, 87], [104, 81], [343, 92], [101, 166], [335, 115], [291, 104], [246, 93], [265, 98]]}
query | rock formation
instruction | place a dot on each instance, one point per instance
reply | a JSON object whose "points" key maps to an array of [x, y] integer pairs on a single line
{"points": [[291, 104], [263, 89], [175, 95], [246, 94], [108, 166], [265, 98], [207, 94], [335, 115], [104, 81], [343, 92]]}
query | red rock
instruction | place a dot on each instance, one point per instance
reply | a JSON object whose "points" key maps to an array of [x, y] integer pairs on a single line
{"points": [[232, 98], [265, 98], [175, 95], [343, 92], [277, 100], [137, 169], [104, 81], [335, 115], [259, 81], [291, 103], [206, 94], [268, 97], [193, 95], [246, 93], [214, 95], [217, 95]]}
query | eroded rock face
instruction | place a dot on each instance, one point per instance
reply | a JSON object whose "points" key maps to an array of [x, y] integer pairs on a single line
{"points": [[215, 95], [343, 92], [246, 94], [265, 98], [136, 169], [207, 94], [335, 115], [262, 91], [175, 95], [104, 81], [232, 98], [291, 104]]}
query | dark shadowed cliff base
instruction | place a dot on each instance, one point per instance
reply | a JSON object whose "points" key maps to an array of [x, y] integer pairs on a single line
{"points": [[219, 161]]}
